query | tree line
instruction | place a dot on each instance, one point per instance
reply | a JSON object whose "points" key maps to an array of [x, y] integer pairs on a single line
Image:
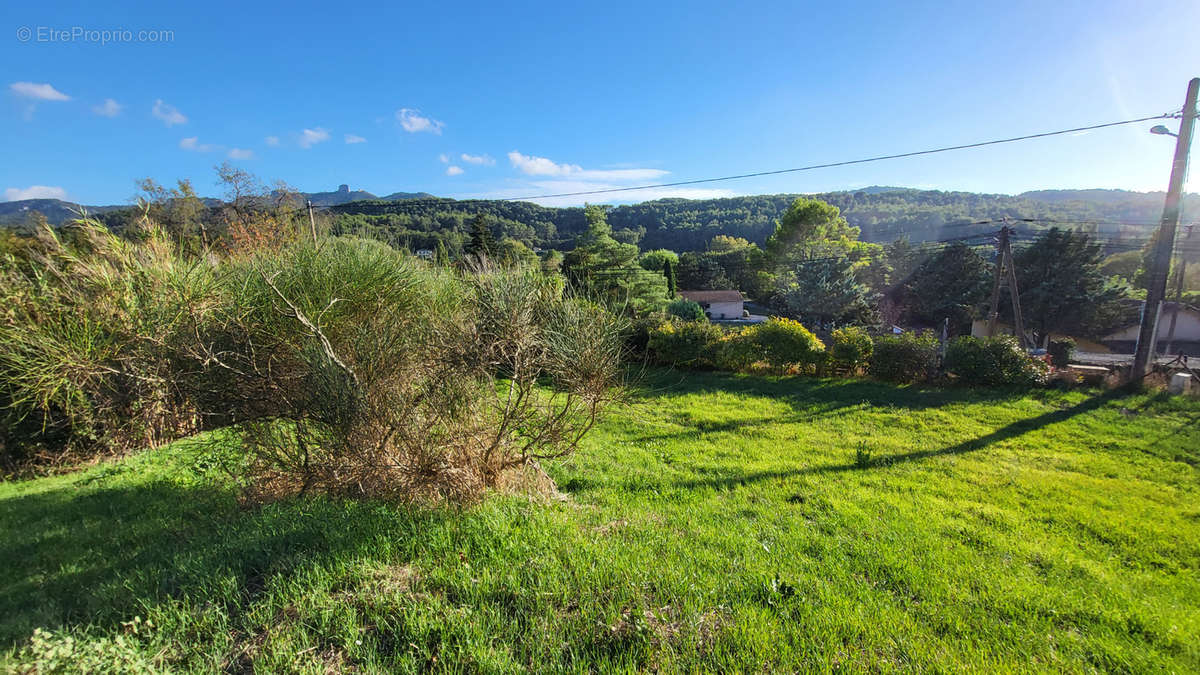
{"points": [[690, 225], [800, 257]]}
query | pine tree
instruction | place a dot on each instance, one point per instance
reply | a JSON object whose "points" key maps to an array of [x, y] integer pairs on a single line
{"points": [[1063, 288], [481, 242], [442, 257], [953, 284], [669, 273], [605, 270]]}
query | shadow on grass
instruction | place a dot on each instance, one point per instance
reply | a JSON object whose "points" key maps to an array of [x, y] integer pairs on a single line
{"points": [[810, 398], [1179, 433], [1009, 431], [816, 394], [79, 555]]}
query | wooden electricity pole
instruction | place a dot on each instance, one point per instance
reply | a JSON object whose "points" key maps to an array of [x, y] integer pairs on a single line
{"points": [[312, 223], [1005, 270], [994, 305], [1018, 323], [1164, 248]]}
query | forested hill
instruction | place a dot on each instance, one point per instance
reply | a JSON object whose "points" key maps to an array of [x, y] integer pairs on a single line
{"points": [[883, 214], [419, 220], [55, 211]]}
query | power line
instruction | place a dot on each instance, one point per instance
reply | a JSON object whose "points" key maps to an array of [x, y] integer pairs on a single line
{"points": [[1057, 221], [928, 249], [829, 165], [1085, 222]]}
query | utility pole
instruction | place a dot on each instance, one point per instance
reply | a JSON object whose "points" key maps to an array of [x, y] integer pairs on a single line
{"points": [[1185, 250], [1143, 356], [312, 223], [1005, 270], [994, 305], [1018, 323]]}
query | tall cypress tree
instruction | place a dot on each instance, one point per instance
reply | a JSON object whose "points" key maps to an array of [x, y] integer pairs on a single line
{"points": [[481, 243], [442, 257], [669, 273]]}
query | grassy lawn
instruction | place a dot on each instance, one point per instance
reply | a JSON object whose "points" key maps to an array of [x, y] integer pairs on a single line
{"points": [[717, 523]]}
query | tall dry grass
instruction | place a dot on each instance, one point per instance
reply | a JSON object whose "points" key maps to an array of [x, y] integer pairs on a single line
{"points": [[86, 334]]}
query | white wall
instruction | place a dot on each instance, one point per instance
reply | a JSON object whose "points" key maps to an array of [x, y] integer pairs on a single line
{"points": [[1187, 328], [724, 310]]}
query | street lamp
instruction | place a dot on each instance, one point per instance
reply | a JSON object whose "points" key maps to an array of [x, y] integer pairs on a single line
{"points": [[1162, 131]]}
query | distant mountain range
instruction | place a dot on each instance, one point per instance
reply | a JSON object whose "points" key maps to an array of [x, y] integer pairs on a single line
{"points": [[344, 195], [340, 196], [58, 211]]}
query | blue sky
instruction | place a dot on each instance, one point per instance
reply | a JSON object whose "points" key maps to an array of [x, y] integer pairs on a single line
{"points": [[509, 100]]}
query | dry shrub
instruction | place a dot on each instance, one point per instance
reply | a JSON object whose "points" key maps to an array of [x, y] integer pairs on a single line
{"points": [[353, 370], [343, 365]]}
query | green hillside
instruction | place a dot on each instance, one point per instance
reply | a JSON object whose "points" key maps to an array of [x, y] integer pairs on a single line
{"points": [[418, 219], [686, 225]]}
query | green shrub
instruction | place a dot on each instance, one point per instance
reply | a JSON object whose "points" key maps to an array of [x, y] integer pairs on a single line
{"points": [[637, 335], [907, 357], [351, 369], [686, 310], [688, 344], [851, 348], [1061, 352], [993, 361], [780, 343]]}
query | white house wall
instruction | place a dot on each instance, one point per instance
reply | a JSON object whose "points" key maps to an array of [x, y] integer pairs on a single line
{"points": [[1187, 328], [724, 310]]}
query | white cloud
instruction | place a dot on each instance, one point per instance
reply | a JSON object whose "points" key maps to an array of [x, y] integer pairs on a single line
{"points": [[168, 113], [193, 143], [351, 139], [272, 141], [109, 108], [622, 174], [240, 153], [454, 170], [551, 187], [35, 192], [310, 137], [444, 158], [413, 122], [676, 193], [540, 166], [482, 160], [617, 185], [41, 92]]}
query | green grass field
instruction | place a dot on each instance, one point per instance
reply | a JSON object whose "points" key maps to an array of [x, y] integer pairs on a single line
{"points": [[716, 523]]}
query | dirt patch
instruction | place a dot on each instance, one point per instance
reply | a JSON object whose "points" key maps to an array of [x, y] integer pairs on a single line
{"points": [[658, 626], [610, 527], [394, 578], [382, 585], [709, 626], [531, 480]]}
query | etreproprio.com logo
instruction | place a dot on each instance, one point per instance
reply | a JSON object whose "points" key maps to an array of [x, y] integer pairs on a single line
{"points": [[101, 36]]}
